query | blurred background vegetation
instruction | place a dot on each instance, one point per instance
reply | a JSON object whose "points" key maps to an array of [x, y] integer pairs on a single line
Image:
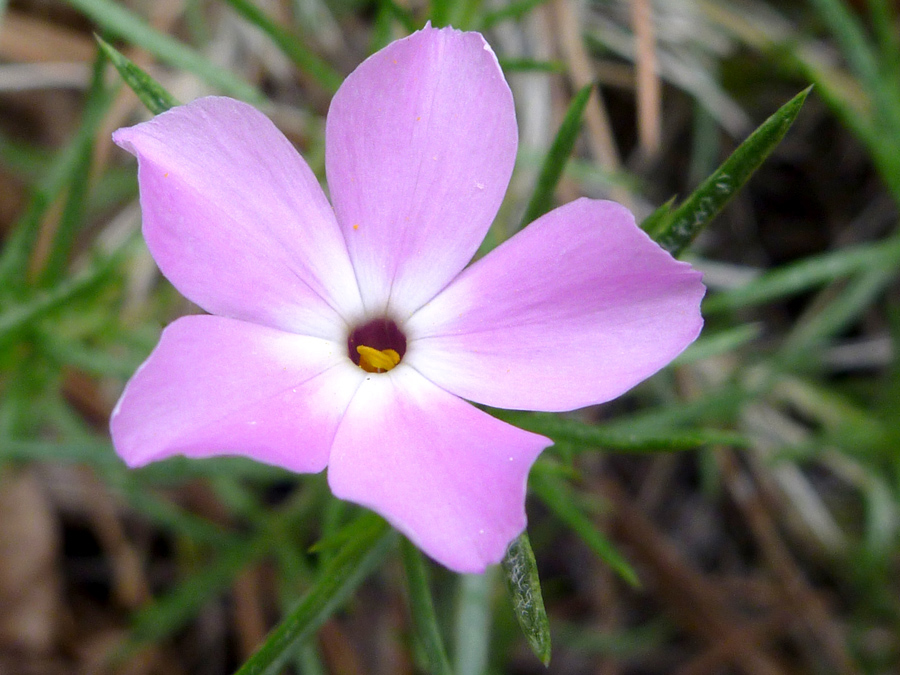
{"points": [[738, 513]]}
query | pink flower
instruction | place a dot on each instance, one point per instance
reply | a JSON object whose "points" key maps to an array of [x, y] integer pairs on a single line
{"points": [[421, 141]]}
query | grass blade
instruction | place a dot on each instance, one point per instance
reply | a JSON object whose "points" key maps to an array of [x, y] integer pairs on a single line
{"points": [[75, 209], [422, 609], [562, 500], [806, 274], [524, 586], [339, 578], [18, 317], [17, 249], [125, 24], [290, 44], [151, 93], [557, 156], [589, 436], [676, 231]]}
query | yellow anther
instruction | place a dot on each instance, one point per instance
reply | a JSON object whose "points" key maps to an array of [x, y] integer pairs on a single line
{"points": [[377, 360]]}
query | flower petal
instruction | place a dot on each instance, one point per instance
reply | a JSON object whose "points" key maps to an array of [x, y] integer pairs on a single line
{"points": [[217, 386], [574, 310], [420, 145], [236, 220], [450, 477]]}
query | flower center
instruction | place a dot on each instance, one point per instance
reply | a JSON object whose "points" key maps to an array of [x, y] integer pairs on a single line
{"points": [[377, 346]]}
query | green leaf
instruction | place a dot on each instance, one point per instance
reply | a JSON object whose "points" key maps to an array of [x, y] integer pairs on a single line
{"points": [[524, 588], [20, 244], [290, 44], [557, 156], [18, 317], [422, 609], [676, 230], [532, 65], [563, 501], [586, 436], [151, 93], [98, 101], [121, 22], [657, 220], [806, 274], [511, 12], [719, 343], [338, 579]]}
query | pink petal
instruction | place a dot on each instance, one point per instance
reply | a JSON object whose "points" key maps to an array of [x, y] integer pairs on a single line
{"points": [[447, 475], [217, 386], [574, 310], [420, 145], [237, 221]]}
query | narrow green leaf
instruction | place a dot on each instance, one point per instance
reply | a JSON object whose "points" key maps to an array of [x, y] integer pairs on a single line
{"points": [[691, 217], [95, 453], [290, 44], [18, 317], [849, 32], [806, 274], [151, 93], [884, 22], [659, 220], [511, 12], [557, 156], [837, 314], [585, 436], [719, 343], [563, 501], [18, 248], [862, 58], [121, 22], [337, 581], [75, 209], [524, 586], [531, 65], [422, 610]]}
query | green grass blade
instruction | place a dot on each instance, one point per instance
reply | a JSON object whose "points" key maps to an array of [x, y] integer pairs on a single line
{"points": [[685, 222], [150, 92], [588, 436], [75, 209], [847, 29], [557, 156], [531, 66], [14, 258], [339, 578], [563, 502], [290, 45], [657, 221], [853, 300], [125, 24], [807, 274], [884, 23], [719, 343], [524, 586], [422, 610], [20, 316], [511, 12]]}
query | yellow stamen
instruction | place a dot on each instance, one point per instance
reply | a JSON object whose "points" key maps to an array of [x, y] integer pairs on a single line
{"points": [[377, 360]]}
